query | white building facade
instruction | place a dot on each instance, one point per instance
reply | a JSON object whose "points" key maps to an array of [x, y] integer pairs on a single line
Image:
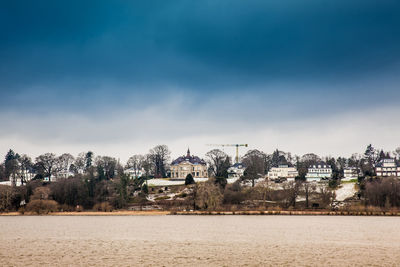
{"points": [[284, 171], [318, 172], [188, 164], [236, 171], [387, 168], [134, 172], [350, 173]]}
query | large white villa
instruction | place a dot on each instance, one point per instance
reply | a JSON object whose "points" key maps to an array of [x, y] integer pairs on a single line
{"points": [[387, 168], [184, 165], [284, 170], [319, 171]]}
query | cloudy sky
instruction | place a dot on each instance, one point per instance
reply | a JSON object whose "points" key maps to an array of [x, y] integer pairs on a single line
{"points": [[120, 77]]}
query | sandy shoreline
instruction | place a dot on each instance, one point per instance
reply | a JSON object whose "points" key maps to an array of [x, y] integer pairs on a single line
{"points": [[158, 213], [93, 213]]}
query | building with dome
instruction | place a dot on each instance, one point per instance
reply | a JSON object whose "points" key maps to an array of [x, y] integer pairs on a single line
{"points": [[184, 165]]}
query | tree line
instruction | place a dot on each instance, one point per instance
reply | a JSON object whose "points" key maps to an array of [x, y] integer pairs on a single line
{"points": [[100, 181]]}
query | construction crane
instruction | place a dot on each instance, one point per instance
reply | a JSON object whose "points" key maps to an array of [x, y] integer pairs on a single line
{"points": [[230, 145]]}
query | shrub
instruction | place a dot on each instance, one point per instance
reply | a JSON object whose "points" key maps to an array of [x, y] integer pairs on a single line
{"points": [[42, 206], [65, 207], [233, 194], [208, 196], [145, 189], [383, 193], [189, 179], [333, 183], [7, 197], [41, 193], [103, 206]]}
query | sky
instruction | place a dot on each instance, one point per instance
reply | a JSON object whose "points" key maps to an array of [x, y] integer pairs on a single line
{"points": [[120, 77]]}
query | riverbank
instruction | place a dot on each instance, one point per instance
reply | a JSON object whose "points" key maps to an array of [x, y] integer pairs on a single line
{"points": [[92, 213], [204, 213], [286, 212]]}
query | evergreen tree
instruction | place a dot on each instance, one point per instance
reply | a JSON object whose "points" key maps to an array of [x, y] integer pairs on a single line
{"points": [[89, 159], [275, 158], [189, 179], [145, 189], [11, 164]]}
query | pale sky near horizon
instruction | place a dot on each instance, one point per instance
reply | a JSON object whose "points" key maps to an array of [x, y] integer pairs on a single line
{"points": [[119, 78]]}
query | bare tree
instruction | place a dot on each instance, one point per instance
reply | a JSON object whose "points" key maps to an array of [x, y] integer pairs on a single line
{"points": [[136, 162], [309, 188], [264, 188], [254, 162], [160, 156], [383, 192], [26, 166], [148, 165], [80, 163], [7, 195], [63, 163], [46, 164], [327, 195], [106, 167], [208, 196], [218, 162], [396, 152], [291, 191]]}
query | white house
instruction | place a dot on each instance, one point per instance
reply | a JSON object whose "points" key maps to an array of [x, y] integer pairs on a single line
{"points": [[134, 172], [387, 168], [22, 177], [236, 170], [63, 174], [283, 171], [350, 173], [319, 171]]}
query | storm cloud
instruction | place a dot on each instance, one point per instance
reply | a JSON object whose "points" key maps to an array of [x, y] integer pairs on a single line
{"points": [[95, 74]]}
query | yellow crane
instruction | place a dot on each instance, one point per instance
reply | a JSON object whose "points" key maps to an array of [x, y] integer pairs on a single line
{"points": [[230, 145]]}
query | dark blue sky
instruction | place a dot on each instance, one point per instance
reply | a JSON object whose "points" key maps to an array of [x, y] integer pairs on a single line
{"points": [[252, 63]]}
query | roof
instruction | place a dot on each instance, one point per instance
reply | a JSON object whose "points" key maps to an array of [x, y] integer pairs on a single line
{"points": [[188, 158], [238, 165], [282, 161], [322, 163]]}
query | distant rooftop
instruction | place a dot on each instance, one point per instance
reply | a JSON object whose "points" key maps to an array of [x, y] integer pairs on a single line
{"points": [[189, 158]]}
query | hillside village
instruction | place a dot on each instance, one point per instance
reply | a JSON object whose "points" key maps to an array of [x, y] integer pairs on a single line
{"points": [[255, 180]]}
